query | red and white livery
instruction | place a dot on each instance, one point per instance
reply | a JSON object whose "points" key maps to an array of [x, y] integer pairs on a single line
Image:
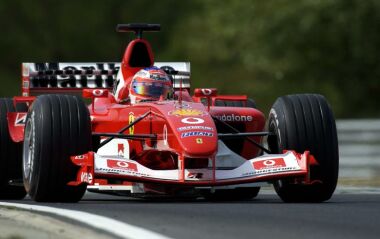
{"points": [[205, 144]]}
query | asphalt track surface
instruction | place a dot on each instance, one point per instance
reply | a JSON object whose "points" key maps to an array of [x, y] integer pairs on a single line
{"points": [[344, 216]]}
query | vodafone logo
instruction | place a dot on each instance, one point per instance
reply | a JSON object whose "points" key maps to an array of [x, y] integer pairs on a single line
{"points": [[235, 118], [122, 164], [269, 163], [98, 92], [192, 120], [119, 164], [206, 91]]}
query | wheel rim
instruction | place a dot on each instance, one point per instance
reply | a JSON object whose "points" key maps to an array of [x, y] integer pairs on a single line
{"points": [[28, 150]]}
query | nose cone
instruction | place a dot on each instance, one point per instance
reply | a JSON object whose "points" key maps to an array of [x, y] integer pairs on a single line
{"points": [[194, 131], [198, 140]]}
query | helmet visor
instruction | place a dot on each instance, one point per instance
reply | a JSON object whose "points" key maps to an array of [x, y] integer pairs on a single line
{"points": [[150, 89]]}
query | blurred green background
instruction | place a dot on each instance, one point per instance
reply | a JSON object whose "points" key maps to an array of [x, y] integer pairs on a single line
{"points": [[260, 48]]}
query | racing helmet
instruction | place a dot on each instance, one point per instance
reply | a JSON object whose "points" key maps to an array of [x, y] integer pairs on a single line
{"points": [[150, 84]]}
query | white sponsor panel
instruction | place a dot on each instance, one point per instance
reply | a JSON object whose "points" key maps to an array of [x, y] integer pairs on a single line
{"points": [[284, 163], [109, 165], [196, 133], [195, 127], [275, 163], [115, 148]]}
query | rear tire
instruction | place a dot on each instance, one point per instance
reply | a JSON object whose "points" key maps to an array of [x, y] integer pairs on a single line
{"points": [[57, 127], [10, 154], [306, 122]]}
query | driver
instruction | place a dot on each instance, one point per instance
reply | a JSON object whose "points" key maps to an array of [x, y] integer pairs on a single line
{"points": [[150, 84]]}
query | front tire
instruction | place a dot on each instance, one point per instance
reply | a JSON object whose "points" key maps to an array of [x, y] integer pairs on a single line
{"points": [[306, 122], [57, 127]]}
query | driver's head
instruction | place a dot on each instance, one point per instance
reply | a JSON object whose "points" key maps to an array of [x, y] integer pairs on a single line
{"points": [[150, 84]]}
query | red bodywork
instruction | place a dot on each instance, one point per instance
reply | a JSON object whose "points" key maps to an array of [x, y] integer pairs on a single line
{"points": [[185, 134]]}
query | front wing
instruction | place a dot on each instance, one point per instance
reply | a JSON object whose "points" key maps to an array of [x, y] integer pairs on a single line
{"points": [[271, 167]]}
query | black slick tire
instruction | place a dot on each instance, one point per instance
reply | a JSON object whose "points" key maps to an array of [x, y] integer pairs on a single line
{"points": [[57, 127], [10, 154], [306, 122]]}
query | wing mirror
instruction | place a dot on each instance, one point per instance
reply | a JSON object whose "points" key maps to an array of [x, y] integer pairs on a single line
{"points": [[205, 92], [95, 93]]}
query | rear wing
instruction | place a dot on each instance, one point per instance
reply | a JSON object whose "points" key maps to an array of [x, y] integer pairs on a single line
{"points": [[71, 78]]}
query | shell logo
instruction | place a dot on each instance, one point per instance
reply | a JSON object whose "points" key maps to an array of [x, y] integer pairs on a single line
{"points": [[187, 112]]}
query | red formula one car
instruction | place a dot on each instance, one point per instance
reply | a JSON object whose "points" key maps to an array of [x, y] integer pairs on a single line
{"points": [[144, 134]]}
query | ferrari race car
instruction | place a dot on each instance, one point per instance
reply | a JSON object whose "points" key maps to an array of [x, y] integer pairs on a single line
{"points": [[54, 146]]}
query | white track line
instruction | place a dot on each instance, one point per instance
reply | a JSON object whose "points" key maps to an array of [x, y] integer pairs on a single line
{"points": [[109, 225]]}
